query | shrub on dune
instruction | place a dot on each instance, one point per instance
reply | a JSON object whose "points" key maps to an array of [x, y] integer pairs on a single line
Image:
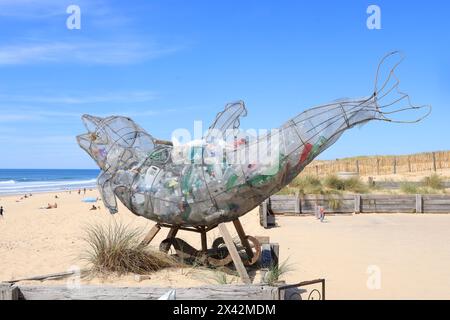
{"points": [[307, 184], [434, 182], [334, 182], [409, 188]]}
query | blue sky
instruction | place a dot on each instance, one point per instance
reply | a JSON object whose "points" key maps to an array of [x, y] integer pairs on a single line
{"points": [[168, 63]]}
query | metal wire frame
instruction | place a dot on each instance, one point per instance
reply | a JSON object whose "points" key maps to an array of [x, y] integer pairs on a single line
{"points": [[229, 119]]}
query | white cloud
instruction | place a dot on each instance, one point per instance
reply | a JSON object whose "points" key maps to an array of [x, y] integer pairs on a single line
{"points": [[16, 117], [54, 139], [113, 97], [39, 114], [43, 9], [109, 38], [85, 52]]}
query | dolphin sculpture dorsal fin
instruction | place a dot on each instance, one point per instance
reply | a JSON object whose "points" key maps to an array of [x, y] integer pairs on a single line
{"points": [[228, 119], [107, 192]]}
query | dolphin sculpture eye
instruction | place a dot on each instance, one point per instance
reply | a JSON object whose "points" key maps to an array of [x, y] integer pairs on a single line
{"points": [[93, 136], [98, 137]]}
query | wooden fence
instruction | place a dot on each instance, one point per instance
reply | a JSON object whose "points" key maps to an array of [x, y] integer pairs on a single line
{"points": [[431, 161], [90, 292], [366, 203]]}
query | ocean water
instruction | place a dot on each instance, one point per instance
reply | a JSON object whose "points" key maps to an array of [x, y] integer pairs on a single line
{"points": [[22, 181]]}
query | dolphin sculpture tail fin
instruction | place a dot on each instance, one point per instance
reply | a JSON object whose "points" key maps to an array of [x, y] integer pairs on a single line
{"points": [[308, 134], [387, 97]]}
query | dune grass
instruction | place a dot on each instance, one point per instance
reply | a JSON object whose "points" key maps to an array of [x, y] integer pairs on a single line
{"points": [[223, 278], [329, 185], [434, 182], [410, 188], [115, 249], [276, 271], [407, 187], [334, 182], [353, 184], [334, 185], [307, 185], [428, 185]]}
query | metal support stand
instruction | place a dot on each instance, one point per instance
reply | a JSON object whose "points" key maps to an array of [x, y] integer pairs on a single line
{"points": [[223, 251]]}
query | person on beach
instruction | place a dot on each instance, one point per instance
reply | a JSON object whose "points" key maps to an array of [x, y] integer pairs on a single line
{"points": [[49, 206], [321, 213], [84, 190], [93, 207], [316, 209], [1, 212]]}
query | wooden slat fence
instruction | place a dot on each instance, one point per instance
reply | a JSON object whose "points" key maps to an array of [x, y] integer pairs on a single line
{"points": [[430, 161]]}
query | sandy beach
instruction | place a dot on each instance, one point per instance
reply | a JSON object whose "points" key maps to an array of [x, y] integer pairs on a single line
{"points": [[410, 252]]}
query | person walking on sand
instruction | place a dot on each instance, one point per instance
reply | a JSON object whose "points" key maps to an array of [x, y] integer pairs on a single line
{"points": [[321, 213], [1, 212], [316, 210]]}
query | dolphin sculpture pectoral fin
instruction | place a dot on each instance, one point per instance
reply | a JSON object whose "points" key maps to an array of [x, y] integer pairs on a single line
{"points": [[109, 199], [107, 192]]}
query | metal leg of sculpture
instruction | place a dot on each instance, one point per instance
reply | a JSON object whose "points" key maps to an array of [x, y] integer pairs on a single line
{"points": [[204, 240], [243, 237], [150, 235], [215, 256], [172, 233]]}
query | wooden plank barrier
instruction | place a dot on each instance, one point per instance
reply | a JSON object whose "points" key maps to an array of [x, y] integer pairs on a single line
{"points": [[364, 203], [91, 292]]}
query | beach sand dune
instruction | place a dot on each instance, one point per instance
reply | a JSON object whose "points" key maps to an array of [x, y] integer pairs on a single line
{"points": [[410, 253]]}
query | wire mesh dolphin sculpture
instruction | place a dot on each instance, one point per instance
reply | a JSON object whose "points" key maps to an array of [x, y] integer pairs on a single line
{"points": [[226, 174]]}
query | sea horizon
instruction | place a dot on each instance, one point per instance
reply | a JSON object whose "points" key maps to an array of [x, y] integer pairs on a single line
{"points": [[25, 181]]}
